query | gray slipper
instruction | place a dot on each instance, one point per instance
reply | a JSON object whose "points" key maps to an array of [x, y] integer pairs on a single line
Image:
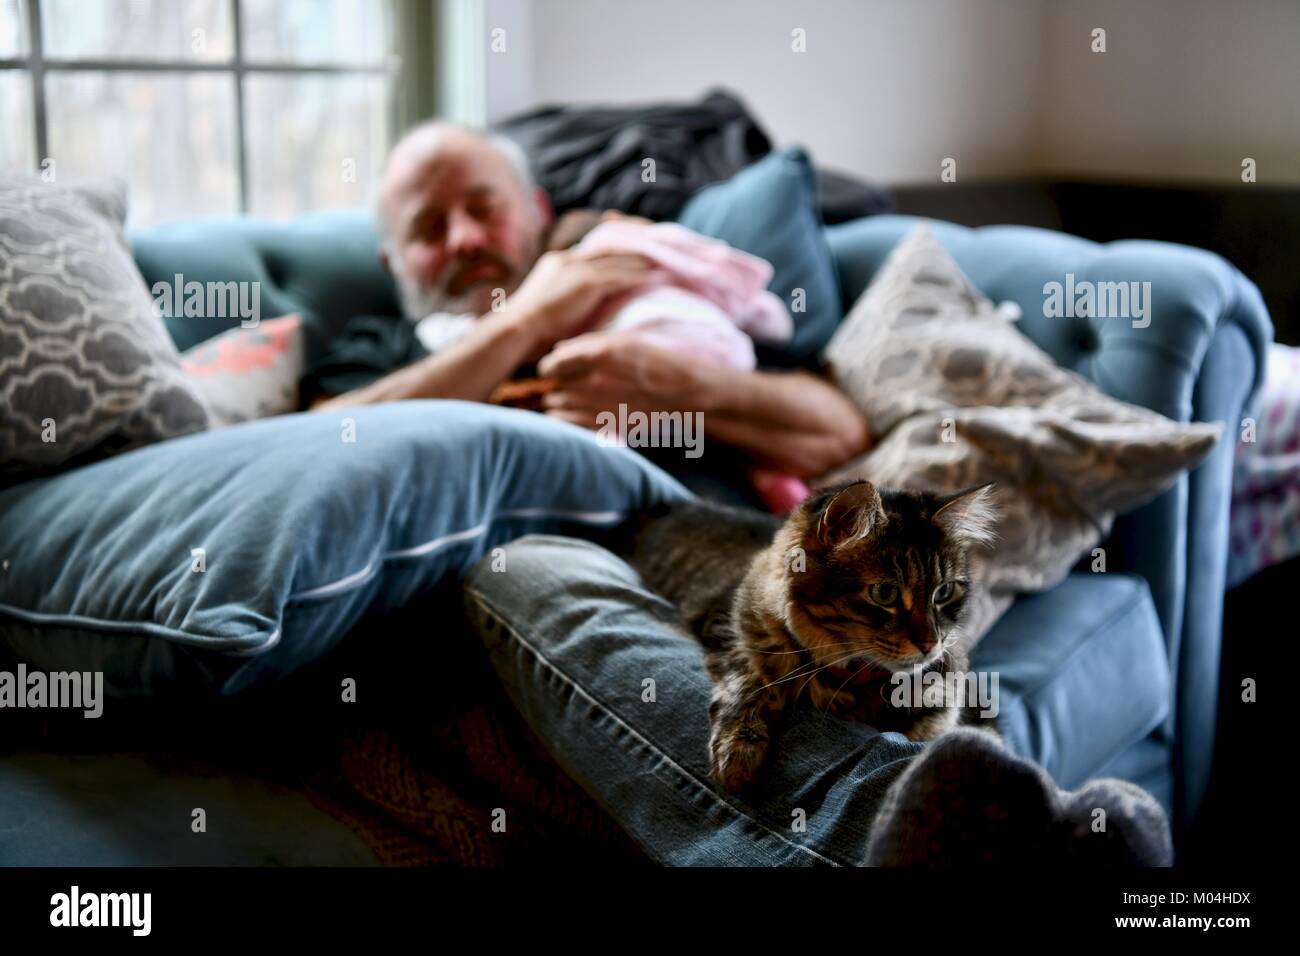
{"points": [[968, 800]]}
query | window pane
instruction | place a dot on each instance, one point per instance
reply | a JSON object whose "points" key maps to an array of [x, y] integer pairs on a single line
{"points": [[169, 135], [17, 146], [148, 29], [316, 31], [13, 31], [313, 141]]}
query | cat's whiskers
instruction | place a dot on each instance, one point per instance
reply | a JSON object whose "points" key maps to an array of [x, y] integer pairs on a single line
{"points": [[813, 663], [798, 673], [817, 666], [818, 671], [804, 650], [949, 642], [830, 700]]}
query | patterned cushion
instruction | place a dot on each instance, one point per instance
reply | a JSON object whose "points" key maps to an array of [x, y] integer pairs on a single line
{"points": [[86, 366], [956, 396], [246, 374]]}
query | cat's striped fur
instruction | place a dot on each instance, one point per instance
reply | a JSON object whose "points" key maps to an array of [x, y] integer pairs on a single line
{"points": [[854, 585]]}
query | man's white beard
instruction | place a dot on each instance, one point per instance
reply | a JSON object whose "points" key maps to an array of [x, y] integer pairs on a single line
{"points": [[418, 300]]}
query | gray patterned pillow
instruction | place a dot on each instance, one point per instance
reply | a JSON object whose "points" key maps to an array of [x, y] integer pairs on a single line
{"points": [[956, 396], [86, 365]]}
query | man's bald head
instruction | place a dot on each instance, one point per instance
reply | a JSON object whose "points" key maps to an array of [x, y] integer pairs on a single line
{"points": [[418, 151], [460, 217]]}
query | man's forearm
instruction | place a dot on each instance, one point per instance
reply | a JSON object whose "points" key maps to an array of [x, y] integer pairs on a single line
{"points": [[793, 421], [469, 368]]}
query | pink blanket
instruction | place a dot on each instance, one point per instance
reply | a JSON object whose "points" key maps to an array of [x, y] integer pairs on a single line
{"points": [[705, 297], [700, 295]]}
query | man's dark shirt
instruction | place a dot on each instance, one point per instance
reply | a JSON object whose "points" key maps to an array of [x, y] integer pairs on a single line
{"points": [[372, 346], [368, 348]]}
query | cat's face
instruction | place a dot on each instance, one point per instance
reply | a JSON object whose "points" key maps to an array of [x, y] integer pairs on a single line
{"points": [[886, 574]]}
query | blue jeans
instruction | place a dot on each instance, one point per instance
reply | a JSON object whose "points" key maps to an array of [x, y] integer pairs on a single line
{"points": [[617, 690]]}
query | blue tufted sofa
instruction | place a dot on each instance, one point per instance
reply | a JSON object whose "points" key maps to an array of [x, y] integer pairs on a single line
{"points": [[1108, 674], [1200, 359]]}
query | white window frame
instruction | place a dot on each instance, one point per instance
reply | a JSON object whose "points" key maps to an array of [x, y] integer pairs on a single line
{"points": [[38, 65]]}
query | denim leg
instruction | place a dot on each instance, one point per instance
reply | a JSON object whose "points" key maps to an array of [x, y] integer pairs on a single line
{"points": [[617, 691]]}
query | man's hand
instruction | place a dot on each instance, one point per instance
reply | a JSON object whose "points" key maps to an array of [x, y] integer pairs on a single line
{"points": [[558, 298], [555, 301], [601, 370], [792, 421]]}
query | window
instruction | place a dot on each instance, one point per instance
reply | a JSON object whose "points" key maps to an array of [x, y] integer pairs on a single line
{"points": [[270, 107]]}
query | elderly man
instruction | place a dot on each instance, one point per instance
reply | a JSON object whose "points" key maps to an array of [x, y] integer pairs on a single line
{"points": [[464, 234], [573, 627]]}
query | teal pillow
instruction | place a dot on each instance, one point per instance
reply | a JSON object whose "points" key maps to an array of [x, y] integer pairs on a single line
{"points": [[769, 210], [231, 557]]}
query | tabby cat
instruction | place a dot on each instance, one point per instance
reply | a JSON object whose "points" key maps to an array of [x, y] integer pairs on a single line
{"points": [[854, 585]]}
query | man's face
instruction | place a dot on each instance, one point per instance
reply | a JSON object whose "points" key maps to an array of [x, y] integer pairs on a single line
{"points": [[460, 228]]}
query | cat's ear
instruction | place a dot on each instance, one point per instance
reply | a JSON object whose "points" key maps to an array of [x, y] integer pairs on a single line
{"points": [[969, 516], [850, 515]]}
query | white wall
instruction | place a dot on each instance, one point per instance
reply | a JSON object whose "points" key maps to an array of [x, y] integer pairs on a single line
{"points": [[888, 88], [510, 74], [1185, 89]]}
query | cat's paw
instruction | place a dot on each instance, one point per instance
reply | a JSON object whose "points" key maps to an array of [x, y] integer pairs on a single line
{"points": [[737, 755]]}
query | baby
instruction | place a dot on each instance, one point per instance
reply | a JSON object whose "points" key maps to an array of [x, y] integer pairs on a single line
{"points": [[703, 296]]}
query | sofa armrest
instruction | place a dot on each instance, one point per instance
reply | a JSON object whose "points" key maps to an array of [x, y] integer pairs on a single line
{"points": [[1195, 351]]}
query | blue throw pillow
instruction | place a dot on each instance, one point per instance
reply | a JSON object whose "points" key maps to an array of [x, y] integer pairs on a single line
{"points": [[769, 210], [229, 557]]}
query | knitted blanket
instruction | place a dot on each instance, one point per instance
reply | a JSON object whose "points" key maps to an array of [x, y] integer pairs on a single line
{"points": [[478, 790], [421, 780]]}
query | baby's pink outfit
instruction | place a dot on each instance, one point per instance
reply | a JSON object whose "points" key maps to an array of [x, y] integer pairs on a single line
{"points": [[705, 298]]}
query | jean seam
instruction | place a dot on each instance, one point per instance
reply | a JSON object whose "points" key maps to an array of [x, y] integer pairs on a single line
{"points": [[579, 688]]}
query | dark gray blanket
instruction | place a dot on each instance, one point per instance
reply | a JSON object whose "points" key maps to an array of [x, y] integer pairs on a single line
{"points": [[591, 156]]}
